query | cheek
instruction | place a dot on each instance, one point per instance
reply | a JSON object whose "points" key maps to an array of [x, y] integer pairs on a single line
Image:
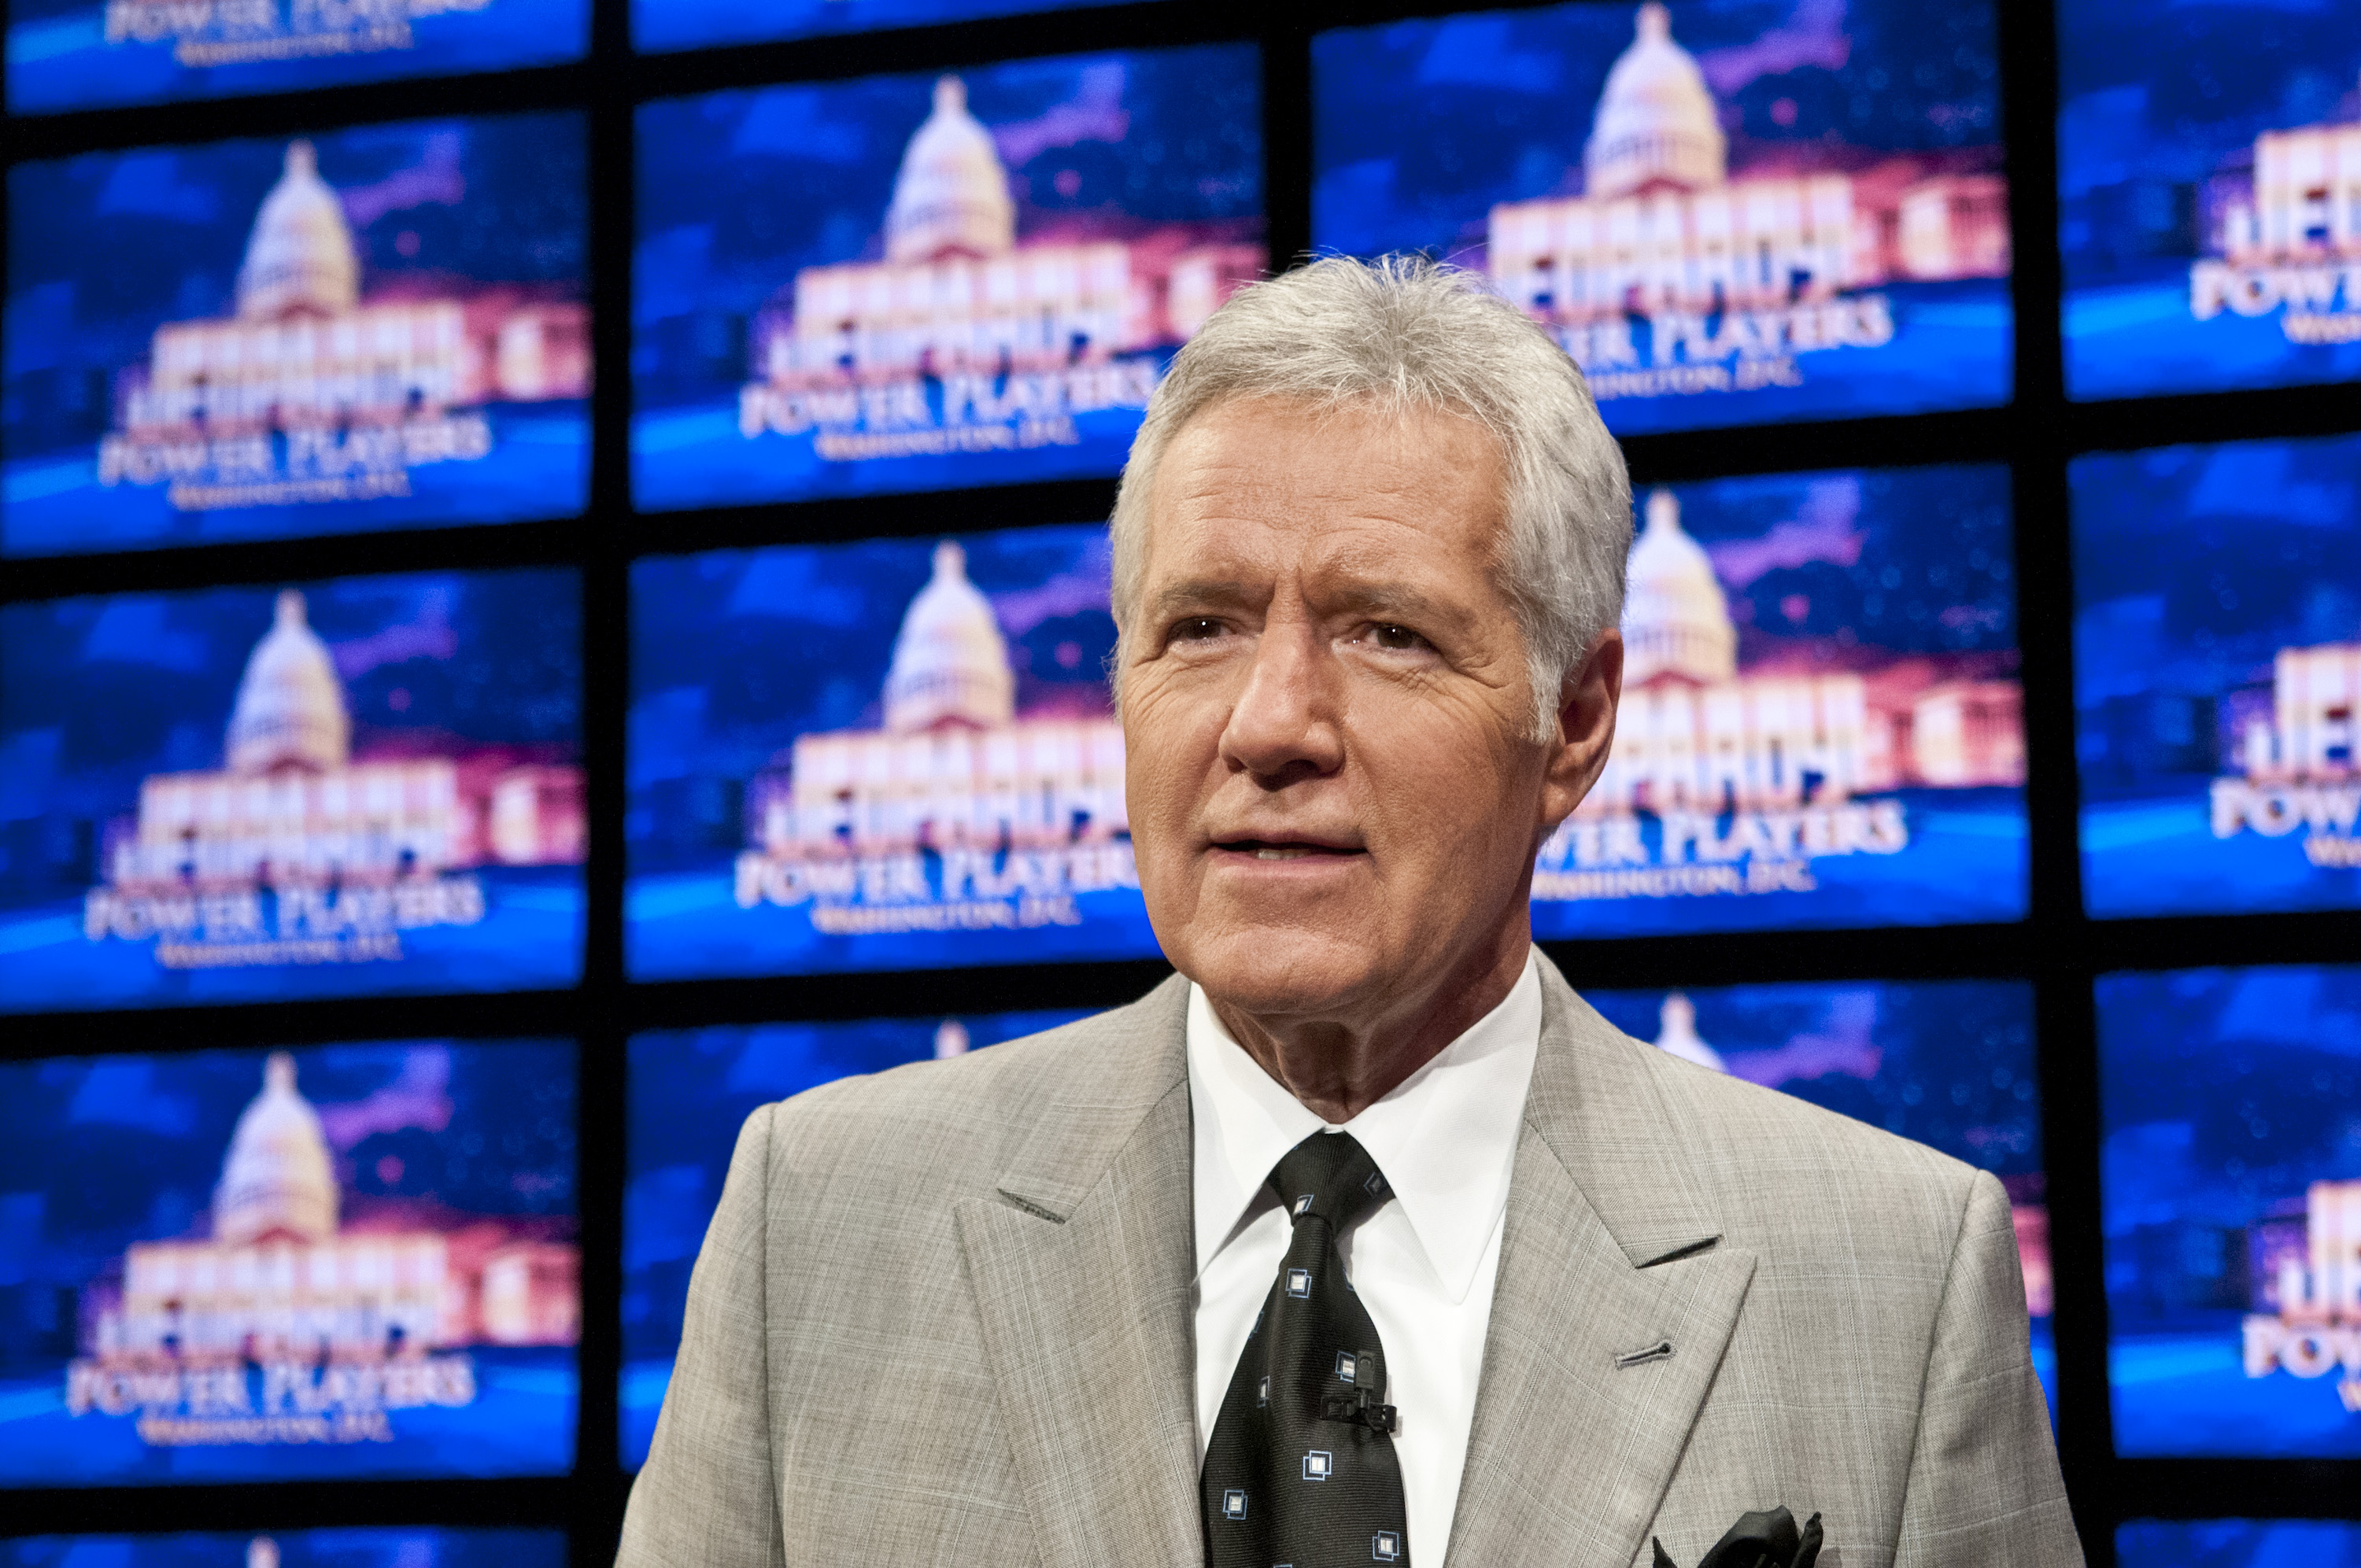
{"points": [[1447, 772], [1457, 806], [1169, 742]]}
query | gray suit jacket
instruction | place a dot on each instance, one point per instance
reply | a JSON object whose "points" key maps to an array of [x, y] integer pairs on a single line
{"points": [[943, 1318]]}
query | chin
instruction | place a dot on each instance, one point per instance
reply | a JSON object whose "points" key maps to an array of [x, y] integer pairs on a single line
{"points": [[1286, 969]]}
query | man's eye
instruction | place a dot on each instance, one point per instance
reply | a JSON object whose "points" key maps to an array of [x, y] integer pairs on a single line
{"points": [[1400, 639], [1196, 628]]}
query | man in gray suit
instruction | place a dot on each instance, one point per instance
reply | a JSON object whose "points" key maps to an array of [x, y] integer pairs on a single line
{"points": [[1363, 1238]]}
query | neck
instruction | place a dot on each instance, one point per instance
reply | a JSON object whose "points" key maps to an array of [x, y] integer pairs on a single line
{"points": [[1339, 1064]]}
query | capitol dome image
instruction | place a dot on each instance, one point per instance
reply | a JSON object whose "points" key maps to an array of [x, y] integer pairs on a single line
{"points": [[307, 351], [285, 1274], [951, 195], [1657, 124], [301, 257], [954, 766], [1677, 1033], [293, 807], [961, 291], [1665, 225], [950, 663], [1700, 731], [291, 706], [277, 1180], [1675, 618]]}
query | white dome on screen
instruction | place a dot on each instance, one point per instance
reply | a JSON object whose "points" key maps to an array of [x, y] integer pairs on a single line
{"points": [[1676, 1033], [300, 259], [1657, 124], [951, 196], [277, 1179], [291, 706], [1675, 618], [951, 664]]}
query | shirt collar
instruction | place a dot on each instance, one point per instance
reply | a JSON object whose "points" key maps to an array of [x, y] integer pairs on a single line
{"points": [[1445, 1136]]}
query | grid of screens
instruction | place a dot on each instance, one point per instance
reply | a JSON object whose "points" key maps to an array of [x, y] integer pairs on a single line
{"points": [[478, 784]]}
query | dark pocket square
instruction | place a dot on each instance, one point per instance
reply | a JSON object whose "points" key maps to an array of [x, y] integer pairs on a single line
{"points": [[1759, 1541]]}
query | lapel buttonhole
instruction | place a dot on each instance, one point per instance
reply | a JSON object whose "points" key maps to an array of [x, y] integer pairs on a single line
{"points": [[1659, 1350]]}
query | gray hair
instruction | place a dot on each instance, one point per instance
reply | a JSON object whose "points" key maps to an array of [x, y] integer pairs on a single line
{"points": [[1410, 335]]}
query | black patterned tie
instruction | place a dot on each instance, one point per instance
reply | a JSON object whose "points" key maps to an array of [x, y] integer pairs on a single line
{"points": [[1302, 1473]]}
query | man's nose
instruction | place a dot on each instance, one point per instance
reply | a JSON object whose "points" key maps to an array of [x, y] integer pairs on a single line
{"points": [[1283, 726]]}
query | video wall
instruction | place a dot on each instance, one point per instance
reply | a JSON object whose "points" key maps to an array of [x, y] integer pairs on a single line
{"points": [[555, 591]]}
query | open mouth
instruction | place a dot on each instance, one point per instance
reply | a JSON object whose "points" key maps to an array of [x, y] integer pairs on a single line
{"points": [[1283, 848]]}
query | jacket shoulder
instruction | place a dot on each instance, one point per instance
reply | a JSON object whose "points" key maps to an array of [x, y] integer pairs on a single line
{"points": [[959, 1120], [1785, 1173]]}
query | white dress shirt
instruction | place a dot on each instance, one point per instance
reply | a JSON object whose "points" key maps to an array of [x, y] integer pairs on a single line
{"points": [[1423, 1263]]}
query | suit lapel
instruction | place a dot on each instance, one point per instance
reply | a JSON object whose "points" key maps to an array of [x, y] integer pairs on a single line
{"points": [[1081, 1268], [1610, 1249]]}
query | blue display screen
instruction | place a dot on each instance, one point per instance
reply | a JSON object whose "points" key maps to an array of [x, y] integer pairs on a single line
{"points": [[263, 339], [1946, 1063], [1821, 721], [896, 754], [694, 24], [92, 54], [1728, 211], [2207, 235], [2217, 663], [917, 283], [407, 1547], [360, 787], [2240, 1543], [690, 1089], [2231, 1198], [332, 1262]]}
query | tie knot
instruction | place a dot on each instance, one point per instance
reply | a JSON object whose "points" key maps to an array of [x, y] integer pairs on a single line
{"points": [[1329, 1175]]}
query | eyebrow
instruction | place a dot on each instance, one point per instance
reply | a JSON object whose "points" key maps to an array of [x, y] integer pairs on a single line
{"points": [[1392, 598], [1399, 598], [1195, 592]]}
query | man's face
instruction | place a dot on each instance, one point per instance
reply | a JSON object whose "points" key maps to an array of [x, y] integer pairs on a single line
{"points": [[1334, 796]]}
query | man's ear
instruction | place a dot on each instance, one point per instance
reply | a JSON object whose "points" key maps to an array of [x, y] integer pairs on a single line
{"points": [[1585, 728]]}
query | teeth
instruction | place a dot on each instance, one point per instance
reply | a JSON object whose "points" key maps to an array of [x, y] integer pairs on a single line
{"points": [[1290, 854]]}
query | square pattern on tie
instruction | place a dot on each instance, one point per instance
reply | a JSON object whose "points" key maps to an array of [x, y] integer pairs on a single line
{"points": [[1292, 1468]]}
